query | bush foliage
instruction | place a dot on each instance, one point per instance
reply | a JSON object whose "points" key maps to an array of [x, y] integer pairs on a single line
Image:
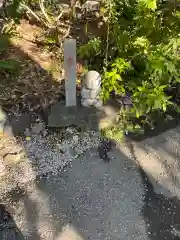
{"points": [[139, 56], [142, 53]]}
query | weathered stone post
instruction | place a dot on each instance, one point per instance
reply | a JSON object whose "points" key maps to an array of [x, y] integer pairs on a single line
{"points": [[70, 71]]}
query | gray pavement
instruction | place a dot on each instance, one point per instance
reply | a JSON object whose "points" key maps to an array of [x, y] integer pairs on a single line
{"points": [[134, 196], [90, 200]]}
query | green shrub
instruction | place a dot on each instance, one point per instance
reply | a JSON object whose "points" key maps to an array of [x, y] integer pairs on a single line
{"points": [[7, 30], [142, 52]]}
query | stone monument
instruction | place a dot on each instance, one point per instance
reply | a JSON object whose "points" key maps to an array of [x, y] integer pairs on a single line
{"points": [[85, 111], [70, 71], [90, 91]]}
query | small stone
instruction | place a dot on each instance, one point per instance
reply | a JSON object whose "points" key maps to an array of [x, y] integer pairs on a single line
{"points": [[8, 131], [2, 115], [12, 158], [79, 16], [65, 6], [21, 123], [45, 133], [27, 132], [69, 130], [76, 138], [2, 170], [91, 6], [37, 128]]}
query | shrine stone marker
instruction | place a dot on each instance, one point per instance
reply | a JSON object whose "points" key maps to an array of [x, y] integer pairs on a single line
{"points": [[71, 111], [70, 71]]}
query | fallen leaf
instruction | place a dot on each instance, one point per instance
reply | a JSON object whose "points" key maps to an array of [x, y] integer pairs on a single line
{"points": [[28, 138]]}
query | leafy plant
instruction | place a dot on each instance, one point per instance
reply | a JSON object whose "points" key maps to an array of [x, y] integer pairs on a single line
{"points": [[91, 49], [148, 98], [6, 32], [113, 80], [141, 55], [148, 46]]}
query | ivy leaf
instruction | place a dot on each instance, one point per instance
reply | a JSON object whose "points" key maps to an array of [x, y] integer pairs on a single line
{"points": [[151, 4], [177, 79]]}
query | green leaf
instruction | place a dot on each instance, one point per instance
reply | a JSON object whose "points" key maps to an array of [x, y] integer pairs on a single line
{"points": [[151, 4], [164, 107], [177, 79], [137, 113]]}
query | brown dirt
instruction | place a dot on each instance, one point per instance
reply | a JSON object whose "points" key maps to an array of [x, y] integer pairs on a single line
{"points": [[26, 42], [39, 81]]}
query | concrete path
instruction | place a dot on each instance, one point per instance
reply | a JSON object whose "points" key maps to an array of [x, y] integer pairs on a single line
{"points": [[135, 196], [90, 200]]}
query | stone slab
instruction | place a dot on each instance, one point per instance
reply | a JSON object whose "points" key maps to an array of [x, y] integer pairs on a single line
{"points": [[89, 117]]}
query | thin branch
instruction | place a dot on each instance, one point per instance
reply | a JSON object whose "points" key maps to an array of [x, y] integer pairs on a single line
{"points": [[66, 34], [59, 16], [41, 4], [33, 13], [107, 46], [68, 31]]}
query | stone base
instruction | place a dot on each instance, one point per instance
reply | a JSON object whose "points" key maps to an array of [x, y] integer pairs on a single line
{"points": [[88, 117]]}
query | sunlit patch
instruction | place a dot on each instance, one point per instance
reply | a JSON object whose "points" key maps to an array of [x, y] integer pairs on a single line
{"points": [[69, 233]]}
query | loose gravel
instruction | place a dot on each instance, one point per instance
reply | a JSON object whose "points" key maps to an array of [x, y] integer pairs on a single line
{"points": [[22, 160], [57, 150]]}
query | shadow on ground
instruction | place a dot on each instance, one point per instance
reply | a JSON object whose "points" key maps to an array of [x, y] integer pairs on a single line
{"points": [[8, 228], [161, 214], [93, 199]]}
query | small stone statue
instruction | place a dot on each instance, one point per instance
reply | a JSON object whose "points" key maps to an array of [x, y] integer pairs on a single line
{"points": [[91, 89]]}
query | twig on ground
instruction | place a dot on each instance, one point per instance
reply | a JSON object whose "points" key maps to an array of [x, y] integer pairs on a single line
{"points": [[41, 4], [33, 13]]}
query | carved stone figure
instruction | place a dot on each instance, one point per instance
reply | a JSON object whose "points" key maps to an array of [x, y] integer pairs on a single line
{"points": [[91, 89]]}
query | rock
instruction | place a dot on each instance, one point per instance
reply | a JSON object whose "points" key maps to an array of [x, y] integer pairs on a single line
{"points": [[69, 130], [21, 123], [3, 118], [76, 138], [2, 168], [45, 133], [90, 117], [37, 128], [91, 6], [79, 16], [12, 158], [65, 6], [8, 130], [27, 132], [92, 80]]}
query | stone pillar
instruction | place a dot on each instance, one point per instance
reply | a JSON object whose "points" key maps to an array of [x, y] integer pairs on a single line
{"points": [[70, 71]]}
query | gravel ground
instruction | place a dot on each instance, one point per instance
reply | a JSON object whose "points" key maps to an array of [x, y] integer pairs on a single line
{"points": [[57, 150], [23, 159], [90, 198]]}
